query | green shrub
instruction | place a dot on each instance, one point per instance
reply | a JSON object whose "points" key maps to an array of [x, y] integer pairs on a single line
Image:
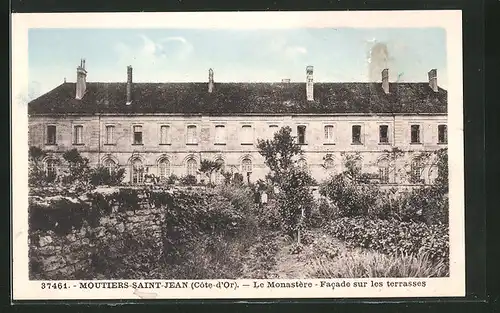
{"points": [[293, 199], [102, 176], [240, 197], [61, 217], [350, 197], [188, 180], [393, 237]]}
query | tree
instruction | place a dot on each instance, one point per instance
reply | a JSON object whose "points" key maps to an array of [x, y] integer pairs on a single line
{"points": [[36, 174], [78, 166], [279, 153], [209, 167], [295, 197]]}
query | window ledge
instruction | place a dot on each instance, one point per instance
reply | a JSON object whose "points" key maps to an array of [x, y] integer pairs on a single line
{"points": [[384, 143], [219, 144], [356, 143], [247, 144], [51, 144], [329, 144], [302, 144], [78, 144], [109, 144], [415, 143], [191, 144], [165, 144], [442, 143], [137, 144]]}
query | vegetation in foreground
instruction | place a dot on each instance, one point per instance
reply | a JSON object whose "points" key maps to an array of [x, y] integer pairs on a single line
{"points": [[356, 230]]}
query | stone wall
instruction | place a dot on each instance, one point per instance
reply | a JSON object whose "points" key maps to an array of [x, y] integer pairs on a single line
{"points": [[74, 255]]}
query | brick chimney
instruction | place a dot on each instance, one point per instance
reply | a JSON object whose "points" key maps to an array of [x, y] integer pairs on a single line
{"points": [[210, 80], [309, 83], [385, 80], [81, 80], [129, 85], [433, 83]]}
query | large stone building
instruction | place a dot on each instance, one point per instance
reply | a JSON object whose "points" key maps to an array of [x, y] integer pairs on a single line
{"points": [[168, 128]]}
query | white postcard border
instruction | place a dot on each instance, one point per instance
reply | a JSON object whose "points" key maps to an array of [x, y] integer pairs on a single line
{"points": [[451, 21]]}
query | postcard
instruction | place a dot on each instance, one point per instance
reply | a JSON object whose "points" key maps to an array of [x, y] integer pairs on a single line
{"points": [[237, 155]]}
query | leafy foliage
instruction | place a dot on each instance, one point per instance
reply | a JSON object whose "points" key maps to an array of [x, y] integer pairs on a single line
{"points": [[209, 167], [36, 174], [295, 199], [188, 180], [279, 153], [102, 176], [78, 167], [367, 264], [393, 237]]}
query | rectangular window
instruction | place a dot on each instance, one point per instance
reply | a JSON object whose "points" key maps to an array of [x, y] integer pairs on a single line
{"points": [[247, 135], [77, 135], [272, 130], [220, 134], [137, 135], [164, 135], [384, 134], [110, 130], [191, 135], [301, 135], [415, 133], [356, 134], [329, 134], [442, 134], [51, 135]]}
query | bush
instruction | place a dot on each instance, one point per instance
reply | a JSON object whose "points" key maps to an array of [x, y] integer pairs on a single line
{"points": [[351, 198], [61, 216], [422, 204], [78, 167], [393, 237], [188, 180], [294, 197], [101, 176], [240, 197], [172, 179]]}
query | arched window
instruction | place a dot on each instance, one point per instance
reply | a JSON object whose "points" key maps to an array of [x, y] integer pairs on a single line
{"points": [[163, 169], [110, 165], [416, 171], [383, 171], [51, 168], [246, 165], [137, 171], [192, 167], [302, 163], [219, 178]]}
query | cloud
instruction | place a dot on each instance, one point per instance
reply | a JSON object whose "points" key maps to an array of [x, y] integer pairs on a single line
{"points": [[281, 48], [150, 53], [294, 52]]}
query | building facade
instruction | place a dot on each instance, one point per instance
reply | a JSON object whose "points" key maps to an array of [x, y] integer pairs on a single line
{"points": [[168, 128]]}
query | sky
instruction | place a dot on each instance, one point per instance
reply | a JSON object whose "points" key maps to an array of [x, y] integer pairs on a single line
{"points": [[185, 55]]}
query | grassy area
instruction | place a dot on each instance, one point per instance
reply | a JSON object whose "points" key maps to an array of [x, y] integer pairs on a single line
{"points": [[323, 256]]}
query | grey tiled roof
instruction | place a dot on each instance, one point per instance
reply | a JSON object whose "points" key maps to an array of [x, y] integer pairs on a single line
{"points": [[243, 98]]}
